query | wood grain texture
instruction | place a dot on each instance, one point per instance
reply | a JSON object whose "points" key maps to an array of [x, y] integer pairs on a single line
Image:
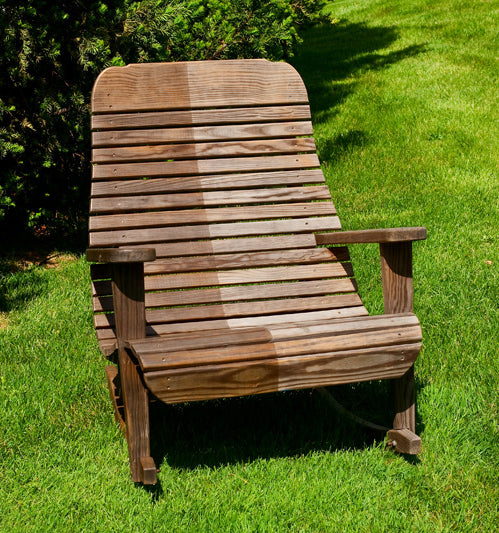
{"points": [[207, 199], [129, 187], [120, 139], [205, 166], [183, 217], [186, 85], [128, 294], [120, 255], [385, 235], [277, 374], [213, 231], [405, 441], [178, 350], [196, 117]]}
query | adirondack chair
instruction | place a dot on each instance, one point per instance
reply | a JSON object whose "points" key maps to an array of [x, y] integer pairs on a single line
{"points": [[218, 270]]}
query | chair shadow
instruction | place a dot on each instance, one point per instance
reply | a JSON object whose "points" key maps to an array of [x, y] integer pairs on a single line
{"points": [[287, 424], [330, 57]]}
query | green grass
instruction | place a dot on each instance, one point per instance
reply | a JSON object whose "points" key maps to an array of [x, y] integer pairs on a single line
{"points": [[404, 101]]}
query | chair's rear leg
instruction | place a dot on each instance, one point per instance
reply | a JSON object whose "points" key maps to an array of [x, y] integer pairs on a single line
{"points": [[136, 404], [396, 270]]}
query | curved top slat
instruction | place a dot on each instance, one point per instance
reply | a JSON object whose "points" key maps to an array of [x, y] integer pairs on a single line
{"points": [[187, 85]]}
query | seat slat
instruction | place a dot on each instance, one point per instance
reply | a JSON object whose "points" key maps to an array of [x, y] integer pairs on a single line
{"points": [[203, 216], [205, 183], [193, 117], [299, 339], [207, 199], [283, 373], [205, 166], [183, 85], [185, 233], [203, 134]]}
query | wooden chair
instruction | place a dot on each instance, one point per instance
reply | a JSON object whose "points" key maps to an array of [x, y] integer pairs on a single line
{"points": [[220, 273]]}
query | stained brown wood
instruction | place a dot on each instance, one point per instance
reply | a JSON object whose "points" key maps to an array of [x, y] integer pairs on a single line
{"points": [[115, 255], [204, 134], [185, 85], [173, 351], [195, 117], [197, 216], [405, 441], [277, 374], [385, 235], [248, 180], [212, 231], [205, 166], [208, 203], [207, 199], [253, 313]]}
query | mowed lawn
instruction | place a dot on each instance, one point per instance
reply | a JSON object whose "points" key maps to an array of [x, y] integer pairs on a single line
{"points": [[405, 109]]}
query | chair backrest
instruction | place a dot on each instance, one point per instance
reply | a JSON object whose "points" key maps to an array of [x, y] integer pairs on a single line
{"points": [[213, 164]]}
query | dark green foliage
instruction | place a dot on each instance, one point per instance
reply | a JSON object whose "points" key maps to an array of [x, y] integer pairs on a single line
{"points": [[51, 54]]}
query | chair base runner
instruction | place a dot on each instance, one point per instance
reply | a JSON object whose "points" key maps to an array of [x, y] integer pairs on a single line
{"points": [[404, 441]]}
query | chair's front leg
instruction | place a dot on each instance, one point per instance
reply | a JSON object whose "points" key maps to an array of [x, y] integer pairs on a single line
{"points": [[396, 272], [128, 295]]}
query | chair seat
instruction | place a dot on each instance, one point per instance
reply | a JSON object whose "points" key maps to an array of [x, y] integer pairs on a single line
{"points": [[194, 366]]}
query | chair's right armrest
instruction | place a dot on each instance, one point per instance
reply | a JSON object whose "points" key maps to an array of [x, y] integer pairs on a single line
{"points": [[120, 255]]}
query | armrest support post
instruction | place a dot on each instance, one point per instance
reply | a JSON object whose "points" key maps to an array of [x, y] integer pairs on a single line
{"points": [[396, 274]]}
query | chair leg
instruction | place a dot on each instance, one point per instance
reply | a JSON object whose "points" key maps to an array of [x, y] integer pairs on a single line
{"points": [[403, 435], [136, 407]]}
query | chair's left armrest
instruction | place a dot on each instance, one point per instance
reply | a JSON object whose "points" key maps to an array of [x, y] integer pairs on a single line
{"points": [[120, 255], [395, 248], [127, 278]]}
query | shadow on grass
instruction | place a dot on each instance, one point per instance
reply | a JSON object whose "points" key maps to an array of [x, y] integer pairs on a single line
{"points": [[331, 55], [330, 59], [290, 424], [18, 286]]}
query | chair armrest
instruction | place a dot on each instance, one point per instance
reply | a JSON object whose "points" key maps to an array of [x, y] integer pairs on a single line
{"points": [[395, 247], [372, 235], [120, 255]]}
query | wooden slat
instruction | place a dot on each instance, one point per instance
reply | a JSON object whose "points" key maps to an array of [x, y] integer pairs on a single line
{"points": [[204, 216], [209, 198], [174, 351], [193, 117], [245, 260], [221, 261], [244, 244], [205, 183], [213, 231], [203, 134], [276, 374], [199, 340], [203, 150], [227, 294], [240, 315], [255, 275], [186, 85], [205, 166], [231, 277]]}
